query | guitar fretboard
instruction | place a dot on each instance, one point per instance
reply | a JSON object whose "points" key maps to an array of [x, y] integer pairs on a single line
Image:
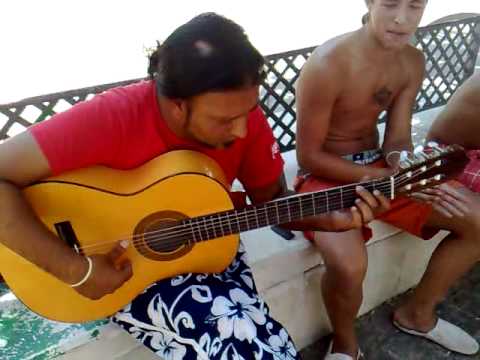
{"points": [[284, 210]]}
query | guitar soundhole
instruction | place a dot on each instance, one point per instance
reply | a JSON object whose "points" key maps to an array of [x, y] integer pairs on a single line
{"points": [[154, 236], [157, 238]]}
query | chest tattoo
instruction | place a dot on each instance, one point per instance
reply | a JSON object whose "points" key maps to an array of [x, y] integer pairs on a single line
{"points": [[382, 97]]}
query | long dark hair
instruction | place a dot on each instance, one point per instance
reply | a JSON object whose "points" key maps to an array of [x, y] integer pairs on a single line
{"points": [[208, 53]]}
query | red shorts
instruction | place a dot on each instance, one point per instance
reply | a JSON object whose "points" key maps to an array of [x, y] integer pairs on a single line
{"points": [[404, 213], [471, 175]]}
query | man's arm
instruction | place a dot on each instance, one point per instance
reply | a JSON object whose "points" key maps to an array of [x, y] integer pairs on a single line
{"points": [[317, 91], [21, 163], [398, 132], [364, 211], [458, 123]]}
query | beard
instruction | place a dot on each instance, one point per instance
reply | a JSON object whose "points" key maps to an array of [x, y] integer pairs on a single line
{"points": [[190, 132]]}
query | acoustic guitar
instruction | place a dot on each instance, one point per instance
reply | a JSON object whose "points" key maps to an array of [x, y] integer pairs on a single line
{"points": [[177, 213]]}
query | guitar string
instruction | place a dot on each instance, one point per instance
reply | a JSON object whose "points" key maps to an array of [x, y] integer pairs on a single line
{"points": [[226, 221], [187, 228], [242, 215]]}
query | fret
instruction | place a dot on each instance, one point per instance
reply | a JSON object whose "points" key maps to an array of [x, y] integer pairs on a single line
{"points": [[273, 213], [196, 225], [335, 202], [200, 230], [213, 227], [320, 203], [298, 202], [353, 197], [288, 210], [327, 205], [392, 187], [268, 219], [194, 238], [313, 204], [229, 224], [219, 219], [341, 197], [247, 220], [301, 210], [205, 226], [315, 209], [278, 214], [238, 222], [265, 210]]}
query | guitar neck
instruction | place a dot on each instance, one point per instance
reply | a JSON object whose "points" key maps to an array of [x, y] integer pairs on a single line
{"points": [[279, 211]]}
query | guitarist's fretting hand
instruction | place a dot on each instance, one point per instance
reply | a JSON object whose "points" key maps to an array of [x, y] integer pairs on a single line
{"points": [[366, 208], [107, 273]]}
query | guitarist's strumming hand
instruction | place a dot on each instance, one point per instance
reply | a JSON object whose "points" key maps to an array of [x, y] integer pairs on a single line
{"points": [[107, 273]]}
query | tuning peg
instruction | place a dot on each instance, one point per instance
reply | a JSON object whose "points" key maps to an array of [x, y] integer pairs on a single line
{"points": [[407, 162], [418, 148], [404, 154], [436, 147], [419, 153], [419, 156], [422, 155]]}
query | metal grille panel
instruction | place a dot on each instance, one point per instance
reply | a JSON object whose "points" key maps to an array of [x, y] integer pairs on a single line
{"points": [[451, 51]]}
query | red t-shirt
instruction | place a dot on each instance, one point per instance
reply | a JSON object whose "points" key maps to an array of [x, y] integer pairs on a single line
{"points": [[123, 128]]}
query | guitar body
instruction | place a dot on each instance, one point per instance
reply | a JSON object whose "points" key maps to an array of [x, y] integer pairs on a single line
{"points": [[103, 205]]}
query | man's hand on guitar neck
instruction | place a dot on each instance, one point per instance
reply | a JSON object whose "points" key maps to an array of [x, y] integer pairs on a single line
{"points": [[108, 273], [367, 207]]}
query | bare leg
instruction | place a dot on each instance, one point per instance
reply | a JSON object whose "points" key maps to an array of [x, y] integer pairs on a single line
{"points": [[451, 259], [345, 258]]}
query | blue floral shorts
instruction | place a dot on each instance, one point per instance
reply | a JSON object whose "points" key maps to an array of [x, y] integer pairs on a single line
{"points": [[207, 316]]}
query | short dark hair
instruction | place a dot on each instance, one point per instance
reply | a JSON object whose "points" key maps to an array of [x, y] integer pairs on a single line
{"points": [[208, 53], [366, 17]]}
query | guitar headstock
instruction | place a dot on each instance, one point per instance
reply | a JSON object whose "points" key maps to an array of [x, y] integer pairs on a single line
{"points": [[429, 167]]}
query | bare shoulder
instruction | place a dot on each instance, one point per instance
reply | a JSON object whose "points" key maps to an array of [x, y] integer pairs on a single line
{"points": [[471, 89], [414, 63], [327, 62], [22, 160]]}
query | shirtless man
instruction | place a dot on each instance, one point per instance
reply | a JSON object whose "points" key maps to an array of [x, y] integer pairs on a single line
{"points": [[459, 123], [343, 88]]}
